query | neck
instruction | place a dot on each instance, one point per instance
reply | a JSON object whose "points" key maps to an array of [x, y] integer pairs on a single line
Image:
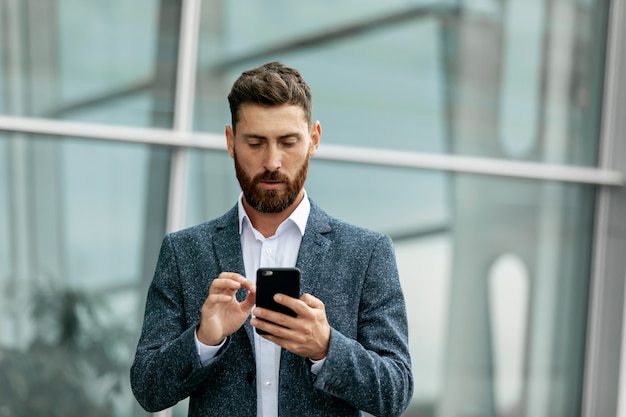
{"points": [[267, 223]]}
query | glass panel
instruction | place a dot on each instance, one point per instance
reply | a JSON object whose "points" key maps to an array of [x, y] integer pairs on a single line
{"points": [[285, 20], [70, 56], [5, 244], [397, 94], [427, 84], [415, 204], [74, 285], [532, 317], [212, 185], [105, 182], [521, 77], [3, 89], [117, 51], [383, 107], [424, 264], [508, 315], [526, 82]]}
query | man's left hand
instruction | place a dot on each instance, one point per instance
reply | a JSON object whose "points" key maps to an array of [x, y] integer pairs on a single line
{"points": [[306, 335]]}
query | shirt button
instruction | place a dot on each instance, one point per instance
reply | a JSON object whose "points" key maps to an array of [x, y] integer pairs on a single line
{"points": [[268, 384], [268, 250]]}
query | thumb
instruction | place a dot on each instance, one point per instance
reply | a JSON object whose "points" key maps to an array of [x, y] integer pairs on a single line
{"points": [[249, 302]]}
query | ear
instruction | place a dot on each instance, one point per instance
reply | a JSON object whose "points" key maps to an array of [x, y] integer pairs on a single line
{"points": [[230, 140], [316, 135]]}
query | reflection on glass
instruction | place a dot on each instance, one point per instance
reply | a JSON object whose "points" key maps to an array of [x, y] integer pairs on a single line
{"points": [[6, 265], [284, 19], [73, 292], [508, 315], [521, 77], [424, 267], [212, 186], [5, 183], [400, 202], [105, 182], [104, 47], [108, 58], [524, 83], [74, 364], [549, 226], [397, 102]]}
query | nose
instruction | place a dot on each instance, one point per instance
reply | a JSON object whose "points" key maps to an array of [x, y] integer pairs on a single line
{"points": [[272, 158]]}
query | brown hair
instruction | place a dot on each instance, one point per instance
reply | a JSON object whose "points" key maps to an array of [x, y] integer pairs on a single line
{"points": [[271, 84]]}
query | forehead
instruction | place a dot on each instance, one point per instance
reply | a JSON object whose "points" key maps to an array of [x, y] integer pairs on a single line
{"points": [[255, 116]]}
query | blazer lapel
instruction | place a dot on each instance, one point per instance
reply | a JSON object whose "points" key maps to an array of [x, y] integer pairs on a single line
{"points": [[227, 249], [227, 243], [313, 249]]}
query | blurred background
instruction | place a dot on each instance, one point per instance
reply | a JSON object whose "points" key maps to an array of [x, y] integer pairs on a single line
{"points": [[486, 137]]}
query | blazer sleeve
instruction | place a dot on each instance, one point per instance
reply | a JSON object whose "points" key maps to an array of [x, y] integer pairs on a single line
{"points": [[167, 367], [373, 371]]}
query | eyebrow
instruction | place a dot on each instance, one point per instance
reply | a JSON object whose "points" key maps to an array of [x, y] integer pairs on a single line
{"points": [[262, 137]]}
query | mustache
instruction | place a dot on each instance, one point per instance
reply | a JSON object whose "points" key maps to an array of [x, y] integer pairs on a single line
{"points": [[270, 176]]}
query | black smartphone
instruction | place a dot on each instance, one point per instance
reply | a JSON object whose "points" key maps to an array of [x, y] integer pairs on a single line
{"points": [[270, 281]]}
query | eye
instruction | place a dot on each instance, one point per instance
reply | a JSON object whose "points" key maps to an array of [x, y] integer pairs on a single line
{"points": [[289, 142], [254, 145]]}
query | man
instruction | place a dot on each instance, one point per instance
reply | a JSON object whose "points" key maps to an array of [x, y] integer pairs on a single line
{"points": [[346, 350]]}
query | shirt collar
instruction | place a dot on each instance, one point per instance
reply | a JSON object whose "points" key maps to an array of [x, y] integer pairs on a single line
{"points": [[299, 216]]}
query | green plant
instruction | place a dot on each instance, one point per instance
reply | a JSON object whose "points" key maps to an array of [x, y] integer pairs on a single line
{"points": [[74, 365]]}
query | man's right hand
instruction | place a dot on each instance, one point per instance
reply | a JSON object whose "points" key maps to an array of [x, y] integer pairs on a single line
{"points": [[222, 315]]}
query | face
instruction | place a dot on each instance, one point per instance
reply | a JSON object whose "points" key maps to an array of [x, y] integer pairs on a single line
{"points": [[271, 149]]}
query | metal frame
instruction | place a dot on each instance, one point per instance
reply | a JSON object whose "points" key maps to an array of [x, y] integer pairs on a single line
{"points": [[605, 368], [183, 110], [183, 138]]}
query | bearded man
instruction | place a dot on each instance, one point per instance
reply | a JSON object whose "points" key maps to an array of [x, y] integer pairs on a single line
{"points": [[344, 351]]}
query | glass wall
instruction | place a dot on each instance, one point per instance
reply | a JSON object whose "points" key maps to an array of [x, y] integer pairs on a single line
{"points": [[72, 254], [496, 269]]}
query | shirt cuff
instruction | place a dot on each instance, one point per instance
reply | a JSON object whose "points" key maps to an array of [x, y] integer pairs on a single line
{"points": [[206, 352], [316, 366]]}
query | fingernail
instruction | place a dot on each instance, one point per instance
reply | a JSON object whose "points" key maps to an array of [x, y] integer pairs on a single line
{"points": [[278, 297]]}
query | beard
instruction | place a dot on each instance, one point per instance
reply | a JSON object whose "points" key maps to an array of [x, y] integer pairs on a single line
{"points": [[271, 201]]}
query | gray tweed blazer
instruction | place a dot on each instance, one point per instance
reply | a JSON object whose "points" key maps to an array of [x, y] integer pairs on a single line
{"points": [[352, 270]]}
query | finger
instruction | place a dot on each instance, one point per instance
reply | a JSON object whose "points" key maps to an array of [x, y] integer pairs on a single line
{"points": [[266, 314], [231, 283], [240, 279], [275, 330], [249, 302], [312, 301], [221, 285], [275, 318], [219, 298], [293, 303], [302, 306]]}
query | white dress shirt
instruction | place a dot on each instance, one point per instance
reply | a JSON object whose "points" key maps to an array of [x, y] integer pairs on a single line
{"points": [[279, 250]]}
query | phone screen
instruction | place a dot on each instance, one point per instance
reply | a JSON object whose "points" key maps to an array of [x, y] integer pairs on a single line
{"points": [[270, 281]]}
